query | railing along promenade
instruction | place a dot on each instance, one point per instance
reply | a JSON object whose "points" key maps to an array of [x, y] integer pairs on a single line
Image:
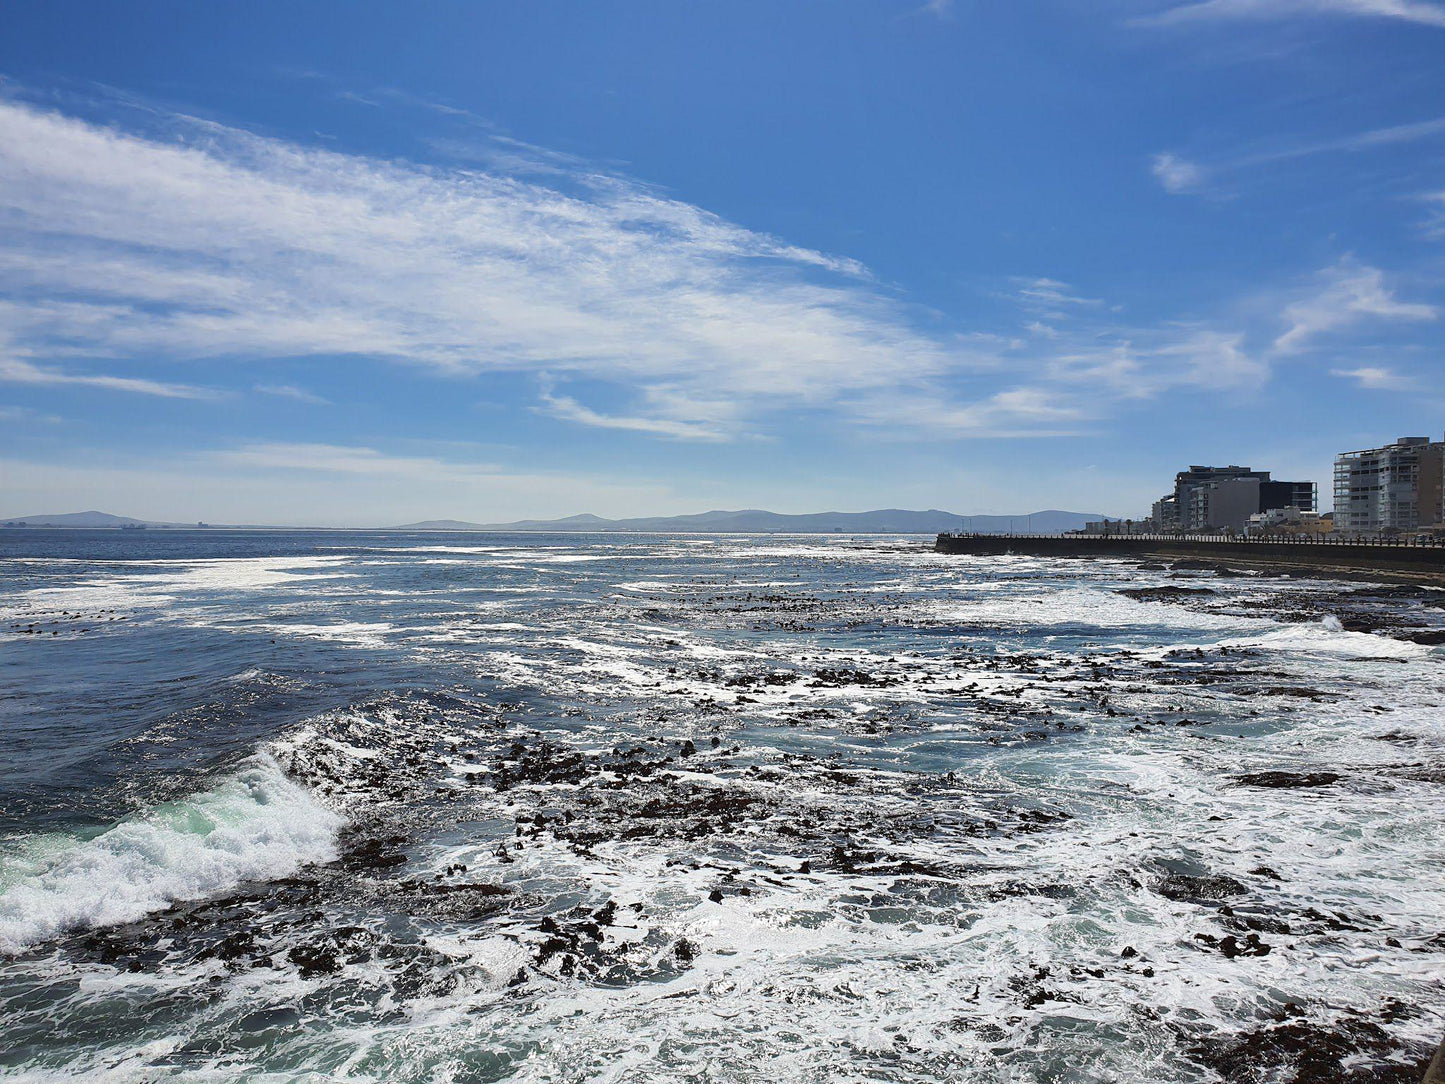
{"points": [[1410, 555]]}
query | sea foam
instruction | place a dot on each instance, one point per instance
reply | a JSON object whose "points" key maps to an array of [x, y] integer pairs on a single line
{"points": [[254, 825], [1328, 637]]}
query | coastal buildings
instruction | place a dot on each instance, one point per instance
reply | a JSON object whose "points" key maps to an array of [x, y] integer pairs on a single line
{"points": [[1165, 514], [1390, 489], [1395, 493], [1290, 521], [1224, 498], [1224, 504]]}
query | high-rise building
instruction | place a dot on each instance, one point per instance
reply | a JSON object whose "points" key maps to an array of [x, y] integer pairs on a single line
{"points": [[1302, 495], [1165, 515], [1223, 498], [1224, 504], [1394, 488]]}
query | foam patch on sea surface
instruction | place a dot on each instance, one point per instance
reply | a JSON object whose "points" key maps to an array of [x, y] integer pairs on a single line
{"points": [[1031, 605], [163, 588], [1328, 637], [254, 825]]}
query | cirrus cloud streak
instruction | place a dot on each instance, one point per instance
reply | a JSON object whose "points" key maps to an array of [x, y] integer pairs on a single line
{"points": [[206, 242]]}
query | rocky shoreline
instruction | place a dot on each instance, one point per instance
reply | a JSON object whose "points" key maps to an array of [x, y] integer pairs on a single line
{"points": [[916, 809]]}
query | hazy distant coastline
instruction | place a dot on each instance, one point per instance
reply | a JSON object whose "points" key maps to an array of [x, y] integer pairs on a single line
{"points": [[747, 521]]}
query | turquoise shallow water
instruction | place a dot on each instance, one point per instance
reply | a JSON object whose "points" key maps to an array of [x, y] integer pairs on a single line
{"points": [[385, 806]]}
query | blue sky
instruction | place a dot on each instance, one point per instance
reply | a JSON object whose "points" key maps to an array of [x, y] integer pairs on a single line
{"points": [[364, 263]]}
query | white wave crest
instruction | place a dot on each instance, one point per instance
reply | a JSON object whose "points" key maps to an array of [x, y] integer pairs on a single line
{"points": [[1329, 637], [255, 825]]}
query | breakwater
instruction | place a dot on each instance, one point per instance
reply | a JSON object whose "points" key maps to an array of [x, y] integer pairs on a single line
{"points": [[1410, 561]]}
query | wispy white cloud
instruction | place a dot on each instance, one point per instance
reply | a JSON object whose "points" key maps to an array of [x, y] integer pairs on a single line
{"points": [[26, 414], [1177, 174], [1091, 368], [347, 459], [939, 9], [14, 371], [1346, 294], [1145, 363], [291, 391], [1047, 293], [1180, 175], [211, 243], [1090, 364], [1424, 12], [1013, 412], [1435, 225], [1377, 378], [942, 10], [1375, 137], [227, 244], [569, 409], [1087, 360]]}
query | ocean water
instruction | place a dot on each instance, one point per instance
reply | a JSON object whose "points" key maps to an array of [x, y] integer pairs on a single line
{"points": [[328, 806]]}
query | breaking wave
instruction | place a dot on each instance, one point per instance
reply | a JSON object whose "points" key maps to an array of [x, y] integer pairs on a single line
{"points": [[254, 825]]}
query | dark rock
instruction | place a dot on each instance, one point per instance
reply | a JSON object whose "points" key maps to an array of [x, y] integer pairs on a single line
{"points": [[314, 959], [465, 902], [1287, 779], [1164, 594], [1425, 636], [232, 947], [374, 854], [1250, 946], [1337, 921], [1295, 1051], [1296, 690], [1209, 888], [327, 954]]}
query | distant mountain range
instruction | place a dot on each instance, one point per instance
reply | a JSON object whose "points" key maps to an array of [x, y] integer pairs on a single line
{"points": [[81, 519], [747, 521], [756, 521], [91, 519]]}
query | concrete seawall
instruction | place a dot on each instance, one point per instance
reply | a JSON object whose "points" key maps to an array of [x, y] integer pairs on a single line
{"points": [[1395, 562]]}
